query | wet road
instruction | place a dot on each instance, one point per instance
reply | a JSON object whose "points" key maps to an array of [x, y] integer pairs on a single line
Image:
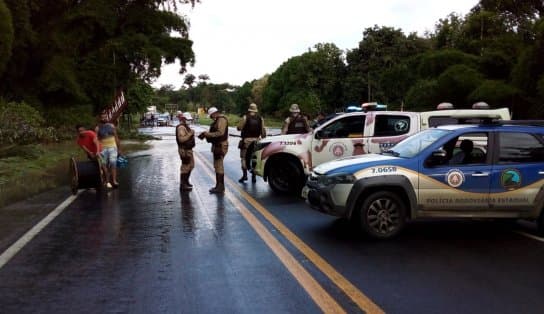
{"points": [[146, 248]]}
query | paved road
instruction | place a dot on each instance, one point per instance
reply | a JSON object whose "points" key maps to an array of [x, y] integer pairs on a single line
{"points": [[147, 248]]}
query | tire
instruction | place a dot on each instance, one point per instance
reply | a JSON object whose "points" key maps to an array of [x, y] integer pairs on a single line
{"points": [[540, 224], [285, 177], [382, 215]]}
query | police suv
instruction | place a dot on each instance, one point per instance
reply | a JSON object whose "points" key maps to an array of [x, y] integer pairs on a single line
{"points": [[285, 161], [493, 170]]}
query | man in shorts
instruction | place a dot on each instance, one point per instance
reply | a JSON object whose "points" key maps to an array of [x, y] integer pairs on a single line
{"points": [[88, 141], [111, 148]]}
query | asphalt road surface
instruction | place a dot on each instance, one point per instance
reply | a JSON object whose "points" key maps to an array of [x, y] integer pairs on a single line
{"points": [[147, 248]]}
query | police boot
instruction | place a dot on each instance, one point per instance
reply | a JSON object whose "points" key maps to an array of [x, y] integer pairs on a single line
{"points": [[244, 177], [183, 183], [220, 184], [187, 179]]}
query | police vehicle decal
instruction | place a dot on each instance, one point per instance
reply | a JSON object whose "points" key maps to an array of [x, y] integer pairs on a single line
{"points": [[435, 192], [352, 163], [455, 178], [511, 179]]}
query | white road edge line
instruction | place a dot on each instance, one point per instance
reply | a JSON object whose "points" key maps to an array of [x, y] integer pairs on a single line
{"points": [[10, 252], [528, 235]]}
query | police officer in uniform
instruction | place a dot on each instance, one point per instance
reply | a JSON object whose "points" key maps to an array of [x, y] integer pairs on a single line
{"points": [[296, 123], [252, 128], [185, 138], [218, 136]]}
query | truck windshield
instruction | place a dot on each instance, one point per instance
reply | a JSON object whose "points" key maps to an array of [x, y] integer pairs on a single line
{"points": [[412, 145]]}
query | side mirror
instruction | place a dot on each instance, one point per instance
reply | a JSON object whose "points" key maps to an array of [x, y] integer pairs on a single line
{"points": [[439, 153], [438, 157], [319, 134]]}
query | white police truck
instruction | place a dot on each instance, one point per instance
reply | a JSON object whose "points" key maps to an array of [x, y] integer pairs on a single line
{"points": [[285, 161]]}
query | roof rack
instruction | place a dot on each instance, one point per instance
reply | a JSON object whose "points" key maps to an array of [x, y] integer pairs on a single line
{"points": [[514, 122]]}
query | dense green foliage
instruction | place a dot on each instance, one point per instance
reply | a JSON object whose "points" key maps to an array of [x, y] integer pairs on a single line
{"points": [[67, 58], [6, 35], [22, 124], [55, 55], [493, 54]]}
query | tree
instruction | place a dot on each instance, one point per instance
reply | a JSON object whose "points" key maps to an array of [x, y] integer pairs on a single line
{"points": [[203, 78], [313, 80], [189, 80], [457, 83], [257, 90], [242, 97], [433, 63], [448, 32], [496, 94], [423, 95], [381, 49], [68, 52], [139, 96], [6, 35]]}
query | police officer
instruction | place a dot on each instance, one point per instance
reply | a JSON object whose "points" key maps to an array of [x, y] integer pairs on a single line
{"points": [[185, 138], [252, 128], [296, 123], [218, 136]]}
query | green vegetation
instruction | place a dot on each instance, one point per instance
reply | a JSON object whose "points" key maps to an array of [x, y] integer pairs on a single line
{"points": [[493, 54], [40, 164], [60, 55]]}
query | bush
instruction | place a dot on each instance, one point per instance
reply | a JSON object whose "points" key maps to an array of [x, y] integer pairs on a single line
{"points": [[22, 124], [64, 120]]}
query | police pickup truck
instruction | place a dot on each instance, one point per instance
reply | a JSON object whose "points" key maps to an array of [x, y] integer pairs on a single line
{"points": [[457, 171], [285, 161]]}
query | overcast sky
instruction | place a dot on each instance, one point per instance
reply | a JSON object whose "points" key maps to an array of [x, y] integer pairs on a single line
{"points": [[241, 40]]}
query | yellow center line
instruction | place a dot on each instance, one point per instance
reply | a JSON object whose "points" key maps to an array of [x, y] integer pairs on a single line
{"points": [[318, 294], [343, 284], [347, 287]]}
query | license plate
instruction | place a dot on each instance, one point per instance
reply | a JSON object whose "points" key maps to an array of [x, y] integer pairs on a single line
{"points": [[304, 192]]}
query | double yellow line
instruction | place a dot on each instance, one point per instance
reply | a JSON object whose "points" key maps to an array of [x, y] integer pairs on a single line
{"points": [[320, 296]]}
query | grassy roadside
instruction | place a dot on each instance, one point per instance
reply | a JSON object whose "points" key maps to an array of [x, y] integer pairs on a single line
{"points": [[27, 170], [31, 169]]}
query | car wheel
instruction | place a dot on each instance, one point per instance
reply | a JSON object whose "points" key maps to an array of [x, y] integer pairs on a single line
{"points": [[382, 215], [285, 177], [540, 224]]}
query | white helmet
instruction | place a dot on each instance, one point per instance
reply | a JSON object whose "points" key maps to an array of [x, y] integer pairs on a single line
{"points": [[212, 110]]}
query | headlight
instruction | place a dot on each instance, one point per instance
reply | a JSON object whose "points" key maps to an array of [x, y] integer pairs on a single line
{"points": [[336, 178], [261, 145]]}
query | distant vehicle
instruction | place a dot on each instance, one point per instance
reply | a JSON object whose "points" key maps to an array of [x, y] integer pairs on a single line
{"points": [[163, 119]]}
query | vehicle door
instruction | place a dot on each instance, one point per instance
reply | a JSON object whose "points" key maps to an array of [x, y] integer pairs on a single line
{"points": [[385, 130], [459, 179], [342, 137], [518, 171]]}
